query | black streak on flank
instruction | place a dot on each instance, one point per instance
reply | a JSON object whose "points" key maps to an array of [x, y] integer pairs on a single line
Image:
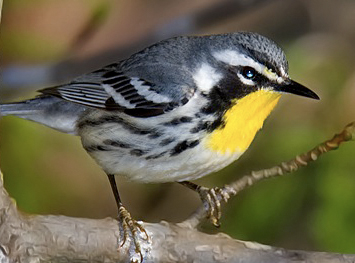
{"points": [[154, 135], [118, 120], [166, 141], [178, 121], [116, 143], [137, 152], [208, 126], [182, 146], [155, 156], [201, 126], [95, 148], [108, 145]]}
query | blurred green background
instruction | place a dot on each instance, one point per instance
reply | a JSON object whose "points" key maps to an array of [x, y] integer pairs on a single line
{"points": [[46, 172]]}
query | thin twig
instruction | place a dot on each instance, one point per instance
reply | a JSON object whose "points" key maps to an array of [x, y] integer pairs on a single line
{"points": [[293, 165]]}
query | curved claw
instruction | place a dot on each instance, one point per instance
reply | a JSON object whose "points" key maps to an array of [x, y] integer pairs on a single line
{"points": [[131, 229], [211, 197]]}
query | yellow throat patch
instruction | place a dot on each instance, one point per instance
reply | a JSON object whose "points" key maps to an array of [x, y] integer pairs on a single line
{"points": [[242, 121]]}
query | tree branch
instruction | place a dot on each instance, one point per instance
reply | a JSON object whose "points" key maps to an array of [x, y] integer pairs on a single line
{"points": [[232, 189], [37, 238]]}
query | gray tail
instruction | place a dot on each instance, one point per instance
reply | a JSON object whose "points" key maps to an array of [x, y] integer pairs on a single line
{"points": [[20, 109], [47, 110]]}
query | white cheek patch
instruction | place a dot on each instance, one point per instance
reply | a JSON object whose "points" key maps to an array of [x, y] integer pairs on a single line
{"points": [[206, 77]]}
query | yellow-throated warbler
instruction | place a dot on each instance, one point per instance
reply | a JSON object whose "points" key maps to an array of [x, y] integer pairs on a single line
{"points": [[176, 111]]}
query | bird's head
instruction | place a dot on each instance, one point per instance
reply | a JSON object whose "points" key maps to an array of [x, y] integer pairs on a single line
{"points": [[246, 73], [248, 61]]}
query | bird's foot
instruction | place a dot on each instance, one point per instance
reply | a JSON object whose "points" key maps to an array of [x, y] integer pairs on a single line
{"points": [[133, 232], [211, 198]]}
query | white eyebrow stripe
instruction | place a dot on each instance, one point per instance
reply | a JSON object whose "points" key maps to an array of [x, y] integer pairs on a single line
{"points": [[233, 58], [237, 59]]}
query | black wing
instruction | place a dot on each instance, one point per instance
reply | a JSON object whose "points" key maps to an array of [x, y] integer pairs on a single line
{"points": [[110, 89]]}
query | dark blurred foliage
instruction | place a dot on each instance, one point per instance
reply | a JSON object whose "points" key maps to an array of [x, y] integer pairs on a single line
{"points": [[46, 42]]}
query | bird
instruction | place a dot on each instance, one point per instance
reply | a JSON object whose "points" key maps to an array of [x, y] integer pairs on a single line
{"points": [[176, 111]]}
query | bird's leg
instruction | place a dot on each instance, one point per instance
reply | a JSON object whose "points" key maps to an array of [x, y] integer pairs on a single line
{"points": [[211, 198], [130, 226]]}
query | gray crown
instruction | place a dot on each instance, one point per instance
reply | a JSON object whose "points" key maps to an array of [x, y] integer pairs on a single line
{"points": [[262, 49], [191, 50]]}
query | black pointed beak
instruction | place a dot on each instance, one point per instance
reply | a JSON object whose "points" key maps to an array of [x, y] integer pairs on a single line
{"points": [[293, 87]]}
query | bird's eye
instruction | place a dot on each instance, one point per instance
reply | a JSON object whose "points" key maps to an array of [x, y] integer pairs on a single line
{"points": [[248, 72]]}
